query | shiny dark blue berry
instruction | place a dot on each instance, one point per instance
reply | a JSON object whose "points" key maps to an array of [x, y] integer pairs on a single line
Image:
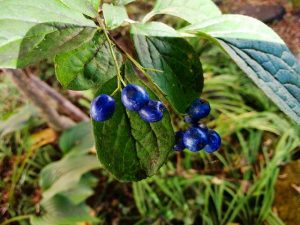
{"points": [[198, 110], [214, 142], [195, 139], [134, 97], [152, 112], [179, 145], [102, 108]]}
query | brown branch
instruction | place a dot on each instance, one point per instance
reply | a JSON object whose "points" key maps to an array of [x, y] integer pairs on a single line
{"points": [[64, 106], [45, 104]]}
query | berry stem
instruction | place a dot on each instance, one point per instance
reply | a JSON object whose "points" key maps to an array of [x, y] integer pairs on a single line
{"points": [[110, 44]]}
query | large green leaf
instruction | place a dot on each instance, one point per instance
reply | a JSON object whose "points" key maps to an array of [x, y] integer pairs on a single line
{"points": [[87, 7], [128, 147], [156, 29], [193, 11], [122, 2], [35, 29], [77, 140], [114, 15], [64, 175], [87, 66], [180, 76], [261, 54], [60, 211], [234, 26]]}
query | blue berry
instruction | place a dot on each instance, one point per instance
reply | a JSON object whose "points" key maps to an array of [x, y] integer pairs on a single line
{"points": [[179, 145], [195, 139], [134, 97], [198, 110], [152, 112], [102, 108], [214, 142]]}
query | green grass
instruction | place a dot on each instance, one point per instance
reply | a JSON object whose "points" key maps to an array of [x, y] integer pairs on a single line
{"points": [[10, 96]]}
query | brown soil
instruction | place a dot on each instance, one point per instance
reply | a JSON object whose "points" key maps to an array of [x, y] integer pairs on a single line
{"points": [[287, 199]]}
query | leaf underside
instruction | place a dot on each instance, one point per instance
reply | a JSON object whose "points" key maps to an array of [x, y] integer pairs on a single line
{"points": [[128, 147], [114, 15], [261, 54], [193, 11], [33, 30], [272, 67]]}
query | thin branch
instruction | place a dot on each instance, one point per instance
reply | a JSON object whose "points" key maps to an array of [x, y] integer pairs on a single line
{"points": [[41, 100], [112, 52], [64, 106]]}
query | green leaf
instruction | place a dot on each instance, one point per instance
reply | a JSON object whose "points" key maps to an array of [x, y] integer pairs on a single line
{"points": [[261, 54], [35, 29], [88, 66], [60, 211], [128, 147], [193, 11], [122, 2], [64, 175], [23, 118], [114, 16], [78, 139], [87, 7], [180, 76], [235, 26], [67, 183], [82, 190], [156, 29]]}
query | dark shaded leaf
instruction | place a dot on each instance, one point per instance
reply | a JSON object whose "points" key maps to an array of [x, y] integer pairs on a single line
{"points": [[180, 75], [128, 147]]}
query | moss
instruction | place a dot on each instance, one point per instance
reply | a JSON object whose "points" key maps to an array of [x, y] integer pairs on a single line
{"points": [[287, 200]]}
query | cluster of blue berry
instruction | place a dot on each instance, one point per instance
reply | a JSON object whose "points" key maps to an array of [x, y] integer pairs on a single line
{"points": [[134, 98], [198, 136]]}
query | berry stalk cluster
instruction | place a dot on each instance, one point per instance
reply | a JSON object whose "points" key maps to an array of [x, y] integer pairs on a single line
{"points": [[137, 99], [198, 136]]}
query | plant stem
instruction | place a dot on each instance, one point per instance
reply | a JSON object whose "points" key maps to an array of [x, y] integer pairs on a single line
{"points": [[41, 100], [112, 52], [148, 17]]}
